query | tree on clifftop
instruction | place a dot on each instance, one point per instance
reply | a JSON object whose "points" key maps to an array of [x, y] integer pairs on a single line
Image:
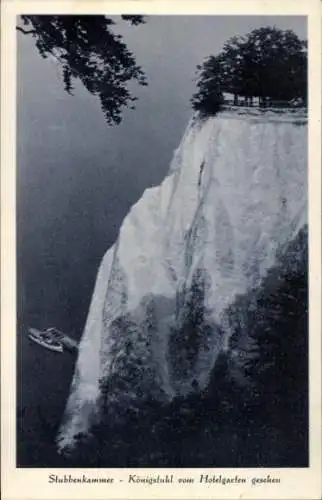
{"points": [[88, 50], [268, 63], [209, 96]]}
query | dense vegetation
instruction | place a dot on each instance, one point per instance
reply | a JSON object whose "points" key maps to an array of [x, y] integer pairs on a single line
{"points": [[87, 49], [268, 63]]}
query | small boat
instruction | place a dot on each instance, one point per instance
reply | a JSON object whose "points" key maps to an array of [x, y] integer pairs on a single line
{"points": [[66, 341], [45, 339]]}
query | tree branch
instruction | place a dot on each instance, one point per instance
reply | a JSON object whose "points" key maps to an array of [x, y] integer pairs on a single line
{"points": [[25, 32]]}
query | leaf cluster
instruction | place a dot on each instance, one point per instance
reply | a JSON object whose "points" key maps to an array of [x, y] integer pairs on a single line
{"points": [[87, 49]]}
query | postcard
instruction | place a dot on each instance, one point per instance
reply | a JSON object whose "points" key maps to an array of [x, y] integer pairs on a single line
{"points": [[161, 249]]}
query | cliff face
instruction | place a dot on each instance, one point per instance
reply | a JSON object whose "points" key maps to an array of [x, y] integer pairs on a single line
{"points": [[161, 311]]}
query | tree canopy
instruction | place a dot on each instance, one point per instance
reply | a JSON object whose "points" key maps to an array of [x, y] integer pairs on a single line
{"points": [[268, 63], [87, 49]]}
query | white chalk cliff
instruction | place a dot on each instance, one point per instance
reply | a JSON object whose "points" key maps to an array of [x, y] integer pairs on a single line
{"points": [[235, 193]]}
